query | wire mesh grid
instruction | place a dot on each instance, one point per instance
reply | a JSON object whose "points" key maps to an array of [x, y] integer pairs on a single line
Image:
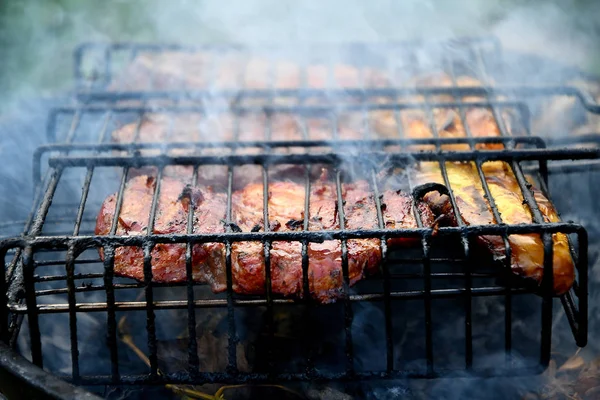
{"points": [[70, 245], [54, 269], [137, 70], [153, 74]]}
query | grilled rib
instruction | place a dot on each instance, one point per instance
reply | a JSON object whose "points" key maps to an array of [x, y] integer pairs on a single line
{"points": [[286, 212]]}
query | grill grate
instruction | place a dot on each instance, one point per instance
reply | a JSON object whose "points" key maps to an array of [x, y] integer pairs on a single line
{"points": [[101, 70], [54, 270], [518, 151]]}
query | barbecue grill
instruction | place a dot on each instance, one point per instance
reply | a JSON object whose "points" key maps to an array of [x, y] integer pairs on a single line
{"points": [[53, 267]]}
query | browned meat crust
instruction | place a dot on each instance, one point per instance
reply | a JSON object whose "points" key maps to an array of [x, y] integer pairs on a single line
{"points": [[168, 260], [286, 209], [286, 212]]}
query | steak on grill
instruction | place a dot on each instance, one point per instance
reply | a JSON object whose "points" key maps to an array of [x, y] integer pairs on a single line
{"points": [[168, 260], [286, 212]]}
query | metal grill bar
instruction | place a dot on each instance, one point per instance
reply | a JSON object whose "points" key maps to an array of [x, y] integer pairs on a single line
{"points": [[460, 223], [310, 367], [29, 285], [548, 278], [149, 292], [267, 255], [259, 378], [70, 267], [467, 269], [88, 179], [74, 125], [348, 314], [85, 191], [219, 303], [121, 286], [32, 315], [93, 275], [4, 322], [468, 265], [42, 242], [389, 345], [119, 202], [426, 254], [427, 292], [221, 49], [111, 322], [319, 109], [517, 91], [400, 159], [193, 359], [231, 348], [507, 262], [235, 144], [580, 322], [138, 126], [305, 266]]}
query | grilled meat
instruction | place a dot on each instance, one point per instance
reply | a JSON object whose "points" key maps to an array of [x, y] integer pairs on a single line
{"points": [[197, 71], [168, 260], [159, 128], [286, 212], [526, 250], [286, 205], [504, 186], [399, 213], [325, 275], [168, 70], [182, 128], [480, 121]]}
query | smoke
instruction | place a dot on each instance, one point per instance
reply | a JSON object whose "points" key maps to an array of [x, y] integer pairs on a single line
{"points": [[41, 34], [38, 38]]}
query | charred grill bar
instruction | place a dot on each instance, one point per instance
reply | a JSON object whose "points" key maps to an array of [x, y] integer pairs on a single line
{"points": [[76, 144]]}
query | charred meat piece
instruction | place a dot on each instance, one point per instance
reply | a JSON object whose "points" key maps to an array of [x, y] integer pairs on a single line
{"points": [[286, 212]]}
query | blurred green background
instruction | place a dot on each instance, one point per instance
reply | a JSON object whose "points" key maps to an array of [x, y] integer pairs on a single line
{"points": [[37, 37]]}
